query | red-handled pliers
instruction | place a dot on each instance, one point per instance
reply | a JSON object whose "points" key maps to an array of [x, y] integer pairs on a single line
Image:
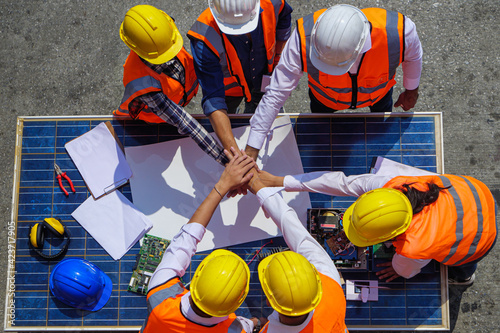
{"points": [[60, 175]]}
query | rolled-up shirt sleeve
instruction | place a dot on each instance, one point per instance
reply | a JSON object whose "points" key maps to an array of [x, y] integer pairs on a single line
{"points": [[177, 257], [296, 236], [284, 24], [407, 267], [209, 72]]}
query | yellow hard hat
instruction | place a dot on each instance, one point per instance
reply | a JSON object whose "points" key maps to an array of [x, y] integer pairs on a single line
{"points": [[220, 283], [377, 216], [151, 34], [291, 283]]}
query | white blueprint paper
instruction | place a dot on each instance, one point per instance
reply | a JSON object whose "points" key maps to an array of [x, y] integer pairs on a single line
{"points": [[113, 221], [386, 167], [171, 179], [100, 160]]}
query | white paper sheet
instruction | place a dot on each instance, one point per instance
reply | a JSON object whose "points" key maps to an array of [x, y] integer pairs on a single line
{"points": [[100, 160], [386, 167], [171, 179], [113, 221]]}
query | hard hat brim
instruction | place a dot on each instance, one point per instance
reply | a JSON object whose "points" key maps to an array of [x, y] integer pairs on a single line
{"points": [[106, 293], [261, 269], [328, 69], [351, 234], [238, 29]]}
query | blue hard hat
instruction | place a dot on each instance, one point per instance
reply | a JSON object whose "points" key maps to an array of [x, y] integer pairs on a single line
{"points": [[80, 284]]}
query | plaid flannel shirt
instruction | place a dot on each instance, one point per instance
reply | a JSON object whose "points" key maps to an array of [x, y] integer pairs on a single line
{"points": [[175, 115]]}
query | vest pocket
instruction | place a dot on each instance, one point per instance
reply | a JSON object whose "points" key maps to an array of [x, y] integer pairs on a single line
{"points": [[376, 81]]}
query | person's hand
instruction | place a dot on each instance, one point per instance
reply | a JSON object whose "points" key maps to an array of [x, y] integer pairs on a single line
{"points": [[407, 99], [389, 273], [236, 174], [270, 180], [258, 323], [255, 184]]}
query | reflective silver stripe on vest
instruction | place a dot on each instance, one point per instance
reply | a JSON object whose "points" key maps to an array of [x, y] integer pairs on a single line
{"points": [[308, 24], [394, 47], [313, 72], [459, 233], [235, 327], [139, 84], [231, 85], [479, 232], [158, 297], [193, 87], [365, 90], [276, 5], [330, 98], [214, 39]]}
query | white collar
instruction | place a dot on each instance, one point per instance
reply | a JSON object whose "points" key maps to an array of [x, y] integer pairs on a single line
{"points": [[189, 313]]}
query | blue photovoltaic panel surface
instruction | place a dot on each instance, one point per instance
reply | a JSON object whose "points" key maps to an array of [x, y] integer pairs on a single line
{"points": [[337, 143]]}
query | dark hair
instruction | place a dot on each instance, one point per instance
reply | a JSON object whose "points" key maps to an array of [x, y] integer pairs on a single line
{"points": [[420, 199]]}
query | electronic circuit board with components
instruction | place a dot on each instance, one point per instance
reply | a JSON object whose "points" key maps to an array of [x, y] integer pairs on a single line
{"points": [[148, 258], [325, 225]]}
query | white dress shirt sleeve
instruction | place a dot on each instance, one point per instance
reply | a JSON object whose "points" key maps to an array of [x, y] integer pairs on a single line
{"points": [[335, 183], [177, 257], [296, 236], [407, 267], [284, 80], [412, 64]]}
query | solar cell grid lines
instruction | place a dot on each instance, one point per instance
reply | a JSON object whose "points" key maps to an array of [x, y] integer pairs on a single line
{"points": [[345, 142]]}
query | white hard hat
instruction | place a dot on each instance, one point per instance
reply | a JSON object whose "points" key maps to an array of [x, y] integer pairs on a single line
{"points": [[337, 38], [235, 17]]}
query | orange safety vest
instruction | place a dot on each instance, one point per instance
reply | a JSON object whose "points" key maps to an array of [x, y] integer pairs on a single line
{"points": [[206, 30], [376, 70], [139, 79], [459, 227], [164, 306], [329, 315]]}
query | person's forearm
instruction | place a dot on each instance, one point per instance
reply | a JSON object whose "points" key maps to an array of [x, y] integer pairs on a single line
{"points": [[204, 213], [187, 125], [280, 44], [222, 127], [177, 257], [252, 152], [335, 183]]}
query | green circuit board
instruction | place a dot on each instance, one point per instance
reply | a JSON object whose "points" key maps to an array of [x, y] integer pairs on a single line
{"points": [[148, 259]]}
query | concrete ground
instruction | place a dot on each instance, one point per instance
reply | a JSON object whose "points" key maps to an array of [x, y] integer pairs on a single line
{"points": [[64, 57]]}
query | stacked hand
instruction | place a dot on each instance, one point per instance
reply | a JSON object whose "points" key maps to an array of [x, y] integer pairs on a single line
{"points": [[253, 180], [237, 172]]}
